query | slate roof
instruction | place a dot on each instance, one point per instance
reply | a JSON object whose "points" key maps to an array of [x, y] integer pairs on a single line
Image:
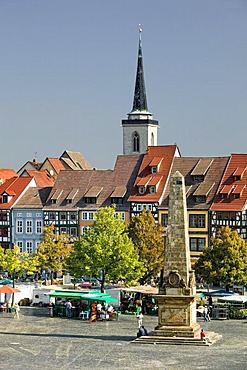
{"points": [[167, 152], [211, 167], [74, 161], [229, 186], [43, 178], [14, 187], [34, 198], [123, 174], [6, 173]]}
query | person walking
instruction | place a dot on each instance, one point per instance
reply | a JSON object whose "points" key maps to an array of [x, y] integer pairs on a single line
{"points": [[16, 311], [8, 307]]}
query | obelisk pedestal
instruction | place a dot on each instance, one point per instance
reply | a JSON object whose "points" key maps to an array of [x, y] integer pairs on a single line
{"points": [[177, 292]]}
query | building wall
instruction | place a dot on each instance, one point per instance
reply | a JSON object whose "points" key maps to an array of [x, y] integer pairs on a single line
{"points": [[145, 132], [27, 228]]}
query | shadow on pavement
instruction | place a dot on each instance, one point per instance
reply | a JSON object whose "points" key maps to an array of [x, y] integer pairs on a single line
{"points": [[71, 336]]}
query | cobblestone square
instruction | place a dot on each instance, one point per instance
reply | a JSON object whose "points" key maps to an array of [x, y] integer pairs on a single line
{"points": [[37, 341]]}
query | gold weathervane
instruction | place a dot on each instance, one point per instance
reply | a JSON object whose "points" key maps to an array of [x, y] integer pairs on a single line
{"points": [[140, 29]]}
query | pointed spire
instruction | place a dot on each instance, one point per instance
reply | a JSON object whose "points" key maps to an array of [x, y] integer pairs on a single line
{"points": [[140, 99]]}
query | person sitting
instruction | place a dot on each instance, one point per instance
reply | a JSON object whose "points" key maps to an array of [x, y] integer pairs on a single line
{"points": [[203, 336], [111, 312], [142, 331]]}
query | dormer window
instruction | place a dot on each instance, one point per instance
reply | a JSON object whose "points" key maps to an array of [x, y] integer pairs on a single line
{"points": [[92, 194], [154, 165], [238, 173], [198, 178], [141, 190], [152, 189], [5, 199]]}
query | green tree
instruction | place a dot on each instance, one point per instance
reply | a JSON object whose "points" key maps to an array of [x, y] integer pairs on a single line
{"points": [[225, 260], [53, 250], [16, 262], [148, 238], [105, 251]]}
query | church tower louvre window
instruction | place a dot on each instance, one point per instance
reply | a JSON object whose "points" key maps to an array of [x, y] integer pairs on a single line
{"points": [[139, 129]]}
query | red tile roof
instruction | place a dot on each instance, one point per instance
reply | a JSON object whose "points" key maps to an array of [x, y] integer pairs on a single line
{"points": [[167, 154], [6, 173], [15, 187], [43, 178], [236, 165], [56, 164]]}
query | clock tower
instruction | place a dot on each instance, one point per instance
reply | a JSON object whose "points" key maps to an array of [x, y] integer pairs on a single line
{"points": [[139, 129]]}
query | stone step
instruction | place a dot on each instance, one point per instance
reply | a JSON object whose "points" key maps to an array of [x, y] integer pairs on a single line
{"points": [[177, 340]]}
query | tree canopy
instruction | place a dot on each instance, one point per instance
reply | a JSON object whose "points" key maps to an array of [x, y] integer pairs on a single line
{"points": [[105, 251], [53, 250], [16, 262], [148, 238], [225, 260]]}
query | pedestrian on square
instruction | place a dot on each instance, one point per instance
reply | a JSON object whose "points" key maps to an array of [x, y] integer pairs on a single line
{"points": [[8, 307], [139, 315], [68, 306], [16, 311], [205, 314]]}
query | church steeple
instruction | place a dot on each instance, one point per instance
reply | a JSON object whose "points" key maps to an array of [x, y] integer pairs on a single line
{"points": [[139, 129], [140, 99]]}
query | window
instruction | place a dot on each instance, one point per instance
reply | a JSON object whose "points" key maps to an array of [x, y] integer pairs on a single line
{"points": [[73, 232], [198, 178], [4, 232], [29, 215], [117, 200], [87, 215], [52, 216], [121, 214], [164, 219], [38, 214], [29, 247], [3, 216], [197, 221], [141, 190], [62, 216], [154, 169], [20, 245], [38, 227], [90, 199], [197, 244], [136, 142], [85, 229], [72, 216], [200, 199], [152, 190], [19, 214], [29, 226], [5, 199], [63, 230], [19, 227]]}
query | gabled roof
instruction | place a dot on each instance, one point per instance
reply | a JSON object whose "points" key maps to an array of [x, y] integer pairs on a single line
{"points": [[34, 198], [108, 181], [207, 188], [74, 161], [229, 202], [55, 163], [6, 173], [15, 186], [43, 178], [167, 153], [29, 165]]}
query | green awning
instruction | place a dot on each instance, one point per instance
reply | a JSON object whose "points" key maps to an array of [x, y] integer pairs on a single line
{"points": [[96, 296]]}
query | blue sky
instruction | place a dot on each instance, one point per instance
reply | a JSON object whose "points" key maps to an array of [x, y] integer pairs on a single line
{"points": [[67, 73]]}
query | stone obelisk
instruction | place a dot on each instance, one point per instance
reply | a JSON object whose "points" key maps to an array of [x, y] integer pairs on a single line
{"points": [[177, 292]]}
